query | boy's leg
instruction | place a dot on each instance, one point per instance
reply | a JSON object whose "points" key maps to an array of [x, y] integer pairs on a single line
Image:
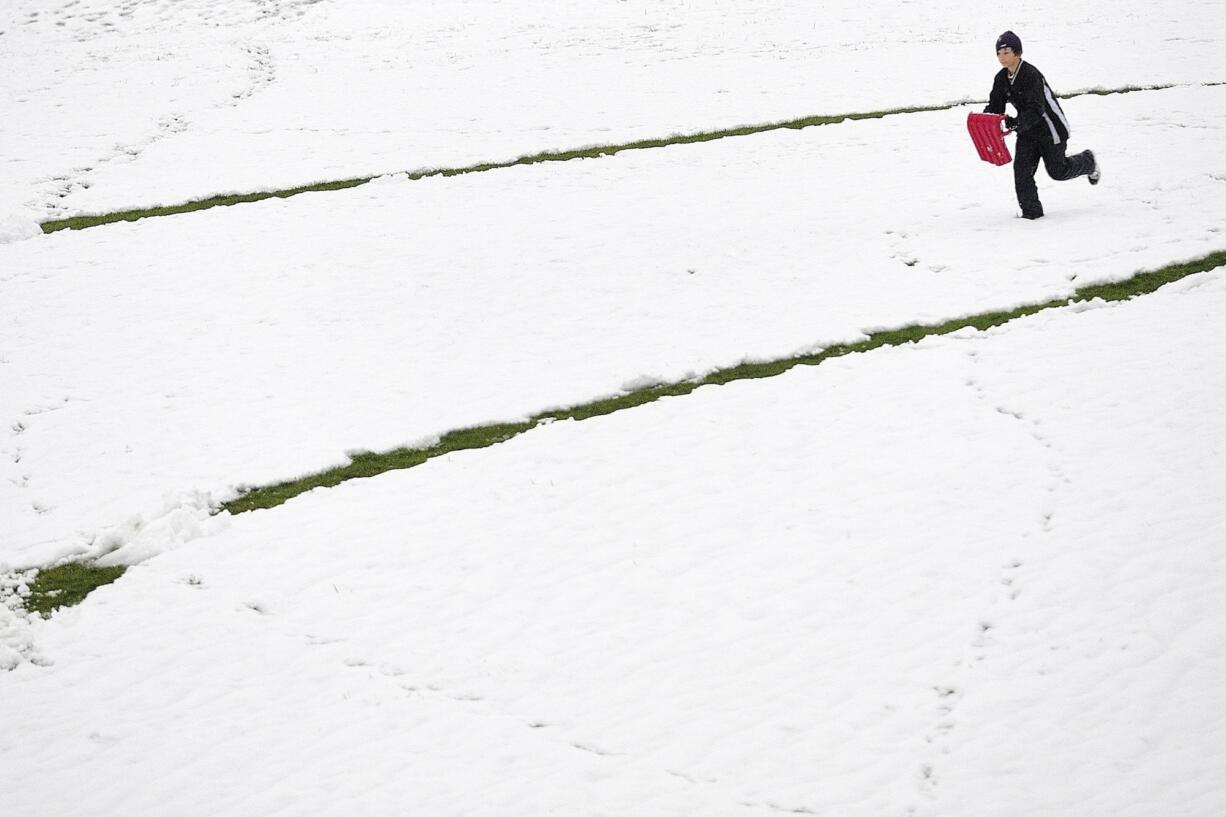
{"points": [[1025, 163], [1061, 167]]}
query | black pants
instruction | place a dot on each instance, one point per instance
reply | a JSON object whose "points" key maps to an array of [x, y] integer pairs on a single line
{"points": [[1059, 167]]}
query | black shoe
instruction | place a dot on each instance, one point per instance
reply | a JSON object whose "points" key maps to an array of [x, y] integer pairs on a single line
{"points": [[1095, 174], [1032, 216]]}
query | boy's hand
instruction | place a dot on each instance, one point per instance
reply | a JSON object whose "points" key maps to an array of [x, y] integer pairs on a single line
{"points": [[1010, 122]]}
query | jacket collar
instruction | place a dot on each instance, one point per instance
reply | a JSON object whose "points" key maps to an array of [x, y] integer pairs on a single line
{"points": [[1013, 76]]}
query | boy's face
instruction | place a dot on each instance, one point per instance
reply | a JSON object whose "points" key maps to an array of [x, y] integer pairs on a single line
{"points": [[1007, 58]]}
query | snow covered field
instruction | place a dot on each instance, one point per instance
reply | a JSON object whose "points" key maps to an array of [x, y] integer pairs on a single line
{"points": [[253, 351], [980, 574]]}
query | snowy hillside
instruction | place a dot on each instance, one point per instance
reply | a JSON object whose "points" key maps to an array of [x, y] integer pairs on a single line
{"points": [[974, 575]]}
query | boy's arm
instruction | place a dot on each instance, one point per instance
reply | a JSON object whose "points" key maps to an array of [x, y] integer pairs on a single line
{"points": [[1000, 92]]}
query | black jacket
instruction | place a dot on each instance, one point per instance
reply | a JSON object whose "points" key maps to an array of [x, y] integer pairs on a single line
{"points": [[1039, 115]]}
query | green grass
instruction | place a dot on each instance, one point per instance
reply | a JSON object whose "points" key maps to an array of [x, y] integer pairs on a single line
{"points": [[83, 222], [370, 464], [67, 584]]}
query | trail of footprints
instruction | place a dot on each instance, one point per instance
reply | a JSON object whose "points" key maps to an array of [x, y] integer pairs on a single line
{"points": [[90, 22], [14, 451], [983, 641], [475, 704], [900, 250]]}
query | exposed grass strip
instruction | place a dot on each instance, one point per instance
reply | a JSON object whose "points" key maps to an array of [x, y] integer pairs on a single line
{"points": [[370, 464], [83, 222], [67, 584]]}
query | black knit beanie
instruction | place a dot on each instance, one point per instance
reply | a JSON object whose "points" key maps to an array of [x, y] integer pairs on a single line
{"points": [[1009, 40]]}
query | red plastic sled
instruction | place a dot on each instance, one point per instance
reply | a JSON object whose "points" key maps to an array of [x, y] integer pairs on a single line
{"points": [[988, 136]]}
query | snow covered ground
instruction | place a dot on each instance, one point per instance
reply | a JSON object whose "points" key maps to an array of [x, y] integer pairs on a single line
{"points": [[976, 575], [983, 574], [158, 365]]}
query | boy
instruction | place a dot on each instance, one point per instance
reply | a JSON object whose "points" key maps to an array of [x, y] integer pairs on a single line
{"points": [[1042, 129]]}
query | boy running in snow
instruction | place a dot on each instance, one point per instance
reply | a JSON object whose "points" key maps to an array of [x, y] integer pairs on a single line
{"points": [[1042, 129]]}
